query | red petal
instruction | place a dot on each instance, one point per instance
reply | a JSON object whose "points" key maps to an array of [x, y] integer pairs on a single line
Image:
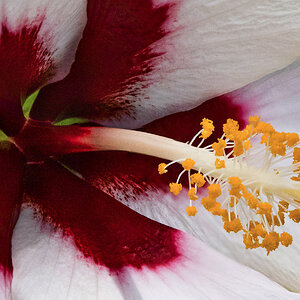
{"points": [[25, 65], [38, 40], [11, 172], [112, 50], [103, 229]]}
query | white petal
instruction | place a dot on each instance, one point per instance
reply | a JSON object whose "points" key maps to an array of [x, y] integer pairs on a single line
{"points": [[275, 98], [62, 23], [48, 266], [282, 265], [212, 47]]}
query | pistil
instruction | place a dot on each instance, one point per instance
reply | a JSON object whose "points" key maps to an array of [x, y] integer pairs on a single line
{"points": [[204, 159]]}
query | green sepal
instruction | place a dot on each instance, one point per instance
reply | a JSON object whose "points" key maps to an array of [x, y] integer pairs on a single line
{"points": [[71, 121], [28, 103]]}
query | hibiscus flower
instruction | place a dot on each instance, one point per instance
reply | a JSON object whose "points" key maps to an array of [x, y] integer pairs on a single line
{"points": [[80, 221]]}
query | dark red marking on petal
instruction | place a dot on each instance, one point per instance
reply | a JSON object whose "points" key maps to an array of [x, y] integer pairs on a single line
{"points": [[184, 125], [39, 140], [11, 173], [113, 50], [25, 65], [103, 229], [111, 169]]}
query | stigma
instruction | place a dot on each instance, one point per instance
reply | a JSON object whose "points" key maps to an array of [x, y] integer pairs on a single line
{"points": [[251, 180]]}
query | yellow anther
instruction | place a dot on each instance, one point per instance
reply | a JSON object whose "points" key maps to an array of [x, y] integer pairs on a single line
{"points": [[235, 182], [205, 134], [207, 124], [274, 220], [283, 206], [249, 131], [296, 178], [264, 208], [247, 145], [191, 210], [251, 200], [280, 137], [236, 186], [208, 128], [209, 202], [265, 139], [258, 230], [237, 136], [296, 155], [233, 225], [233, 201], [251, 225], [192, 194], [219, 164], [277, 143], [292, 139], [230, 128], [214, 190], [254, 120], [225, 217], [286, 239], [277, 148], [250, 241], [270, 242], [265, 128], [198, 179], [238, 148], [175, 188], [188, 164], [242, 135], [162, 169], [216, 210], [279, 221], [295, 215], [219, 147]]}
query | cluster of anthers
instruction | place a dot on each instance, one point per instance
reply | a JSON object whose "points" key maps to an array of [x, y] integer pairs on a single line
{"points": [[255, 170]]}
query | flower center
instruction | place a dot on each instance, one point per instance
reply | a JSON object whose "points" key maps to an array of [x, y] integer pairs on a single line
{"points": [[255, 170]]}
